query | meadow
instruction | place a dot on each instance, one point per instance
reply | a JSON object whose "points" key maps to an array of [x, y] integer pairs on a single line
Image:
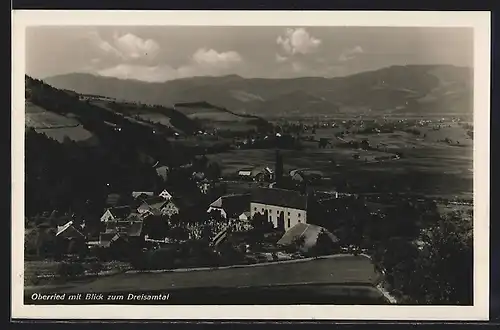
{"points": [[427, 165]]}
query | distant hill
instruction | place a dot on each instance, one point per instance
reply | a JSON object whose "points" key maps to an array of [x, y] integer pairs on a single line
{"points": [[412, 89]]}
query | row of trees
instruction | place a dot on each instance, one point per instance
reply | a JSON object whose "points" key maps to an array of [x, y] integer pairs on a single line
{"points": [[427, 256]]}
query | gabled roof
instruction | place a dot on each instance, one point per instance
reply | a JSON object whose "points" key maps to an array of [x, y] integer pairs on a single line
{"points": [[233, 205], [246, 213], [137, 194], [308, 231], [183, 203], [68, 230], [120, 212], [280, 197], [135, 229], [153, 203], [133, 217]]}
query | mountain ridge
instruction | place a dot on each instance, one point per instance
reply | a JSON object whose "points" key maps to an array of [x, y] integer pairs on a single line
{"points": [[415, 89]]}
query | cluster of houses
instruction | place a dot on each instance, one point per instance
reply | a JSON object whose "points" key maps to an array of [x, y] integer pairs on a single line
{"points": [[139, 218], [283, 208]]}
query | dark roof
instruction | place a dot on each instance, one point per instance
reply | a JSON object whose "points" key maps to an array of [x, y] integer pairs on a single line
{"points": [[183, 203], [113, 199], [68, 230], [310, 233], [105, 238], [234, 205], [135, 228], [280, 197], [120, 211], [155, 200]]}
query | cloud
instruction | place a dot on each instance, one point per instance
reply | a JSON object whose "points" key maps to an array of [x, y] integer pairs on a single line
{"points": [[158, 73], [203, 62], [134, 47], [350, 53], [102, 44], [280, 58], [126, 47], [211, 57], [298, 41]]}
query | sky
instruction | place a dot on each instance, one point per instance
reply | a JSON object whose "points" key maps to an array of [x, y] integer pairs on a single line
{"points": [[157, 54]]}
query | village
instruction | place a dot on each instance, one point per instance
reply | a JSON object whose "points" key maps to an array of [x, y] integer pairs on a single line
{"points": [[267, 223]]}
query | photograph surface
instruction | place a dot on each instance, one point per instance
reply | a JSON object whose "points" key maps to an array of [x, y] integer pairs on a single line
{"points": [[237, 165]]}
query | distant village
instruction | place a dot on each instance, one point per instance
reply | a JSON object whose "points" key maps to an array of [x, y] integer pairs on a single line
{"points": [[150, 220]]}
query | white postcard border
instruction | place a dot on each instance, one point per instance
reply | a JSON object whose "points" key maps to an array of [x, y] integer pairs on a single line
{"points": [[480, 21]]}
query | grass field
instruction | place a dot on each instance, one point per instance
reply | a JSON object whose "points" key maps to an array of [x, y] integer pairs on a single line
{"points": [[428, 166], [156, 118], [341, 269], [56, 126], [37, 117], [47, 269]]}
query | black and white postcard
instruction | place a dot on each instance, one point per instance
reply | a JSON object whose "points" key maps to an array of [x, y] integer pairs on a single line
{"points": [[250, 165]]}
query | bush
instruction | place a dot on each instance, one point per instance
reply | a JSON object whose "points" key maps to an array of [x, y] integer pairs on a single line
{"points": [[96, 268], [68, 270]]}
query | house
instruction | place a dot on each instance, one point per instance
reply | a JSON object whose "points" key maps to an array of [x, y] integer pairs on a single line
{"points": [[165, 194], [298, 176], [171, 207], [245, 173], [115, 213], [153, 205], [69, 231], [262, 174], [244, 222], [142, 194], [308, 232], [230, 206], [284, 208], [245, 216]]}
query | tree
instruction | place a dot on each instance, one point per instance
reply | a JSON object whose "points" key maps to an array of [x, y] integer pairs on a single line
{"points": [[68, 270], [324, 244], [297, 243], [96, 268], [444, 266]]}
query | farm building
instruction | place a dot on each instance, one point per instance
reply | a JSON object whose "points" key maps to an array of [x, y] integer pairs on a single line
{"points": [[230, 206], [142, 194], [115, 213], [284, 208], [262, 174], [308, 232], [165, 194], [173, 206], [244, 222], [245, 173], [245, 216], [69, 231], [153, 205]]}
